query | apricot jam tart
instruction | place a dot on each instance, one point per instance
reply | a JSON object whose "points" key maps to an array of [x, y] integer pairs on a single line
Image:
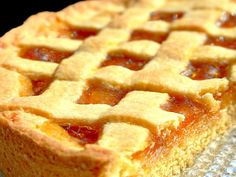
{"points": [[116, 88]]}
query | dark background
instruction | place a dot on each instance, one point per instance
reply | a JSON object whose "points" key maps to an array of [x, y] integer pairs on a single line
{"points": [[13, 14]]}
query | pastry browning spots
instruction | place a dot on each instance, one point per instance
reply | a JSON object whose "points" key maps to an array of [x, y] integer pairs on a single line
{"points": [[221, 41], [128, 61], [227, 20], [79, 34], [166, 16], [202, 71], [98, 93], [147, 35], [44, 54]]}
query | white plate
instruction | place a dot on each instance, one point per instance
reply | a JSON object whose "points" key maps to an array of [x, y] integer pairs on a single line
{"points": [[218, 160]]}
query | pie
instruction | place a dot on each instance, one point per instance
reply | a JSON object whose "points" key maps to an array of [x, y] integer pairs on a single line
{"points": [[117, 88]]}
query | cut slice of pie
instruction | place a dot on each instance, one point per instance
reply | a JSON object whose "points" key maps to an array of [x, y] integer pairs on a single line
{"points": [[117, 88]]}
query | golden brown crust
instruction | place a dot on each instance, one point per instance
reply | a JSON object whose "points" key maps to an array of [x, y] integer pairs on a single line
{"points": [[33, 140]]}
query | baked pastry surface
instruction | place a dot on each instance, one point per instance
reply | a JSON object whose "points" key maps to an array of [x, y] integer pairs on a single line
{"points": [[116, 87]]}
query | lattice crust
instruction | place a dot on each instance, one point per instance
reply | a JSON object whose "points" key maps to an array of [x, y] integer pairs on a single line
{"points": [[54, 30], [187, 5], [143, 59], [233, 74], [17, 85]]}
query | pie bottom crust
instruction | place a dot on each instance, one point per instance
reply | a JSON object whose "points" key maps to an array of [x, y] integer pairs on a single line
{"points": [[30, 153]]}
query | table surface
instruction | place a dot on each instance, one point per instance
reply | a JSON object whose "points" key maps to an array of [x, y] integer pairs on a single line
{"points": [[218, 160]]}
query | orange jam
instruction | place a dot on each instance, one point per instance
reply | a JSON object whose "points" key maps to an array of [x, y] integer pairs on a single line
{"points": [[202, 71], [40, 85], [79, 34], [44, 54], [227, 20], [166, 16], [98, 93], [85, 134], [221, 41], [147, 35], [190, 109], [127, 61], [193, 112]]}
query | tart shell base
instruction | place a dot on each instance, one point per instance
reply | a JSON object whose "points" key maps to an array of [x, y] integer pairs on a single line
{"points": [[40, 156]]}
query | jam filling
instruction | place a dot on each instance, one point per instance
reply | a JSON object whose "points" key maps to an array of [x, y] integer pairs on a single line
{"points": [[85, 134], [166, 16], [40, 85], [227, 20], [127, 61], [98, 93], [190, 109], [146, 35], [221, 41], [79, 34], [202, 71], [44, 54], [193, 113]]}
